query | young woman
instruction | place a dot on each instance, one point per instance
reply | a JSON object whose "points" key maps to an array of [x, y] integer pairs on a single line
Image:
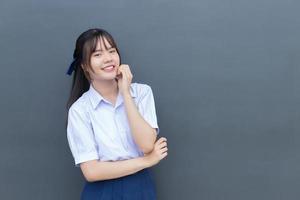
{"points": [[112, 126]]}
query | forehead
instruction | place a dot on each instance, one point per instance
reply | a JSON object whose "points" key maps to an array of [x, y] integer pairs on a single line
{"points": [[102, 43]]}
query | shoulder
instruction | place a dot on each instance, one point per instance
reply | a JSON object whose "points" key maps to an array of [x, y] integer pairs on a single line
{"points": [[81, 105], [141, 89]]}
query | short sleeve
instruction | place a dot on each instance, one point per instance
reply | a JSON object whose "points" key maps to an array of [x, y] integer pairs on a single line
{"points": [[146, 107], [81, 137]]}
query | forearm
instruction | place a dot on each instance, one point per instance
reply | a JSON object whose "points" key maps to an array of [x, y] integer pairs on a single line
{"points": [[144, 135], [100, 170]]}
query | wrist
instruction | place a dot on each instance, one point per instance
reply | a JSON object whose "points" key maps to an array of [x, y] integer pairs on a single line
{"points": [[146, 161], [126, 94]]}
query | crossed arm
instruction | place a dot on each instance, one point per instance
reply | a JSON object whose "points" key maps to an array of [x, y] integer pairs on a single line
{"points": [[95, 170], [98, 170], [144, 136]]}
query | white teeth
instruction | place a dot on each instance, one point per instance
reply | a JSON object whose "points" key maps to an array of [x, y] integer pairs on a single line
{"points": [[108, 68]]}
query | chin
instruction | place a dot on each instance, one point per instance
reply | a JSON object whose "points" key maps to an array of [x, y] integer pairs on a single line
{"points": [[108, 78]]}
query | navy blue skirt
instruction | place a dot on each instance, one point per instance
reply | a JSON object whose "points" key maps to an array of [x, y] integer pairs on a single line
{"points": [[138, 186]]}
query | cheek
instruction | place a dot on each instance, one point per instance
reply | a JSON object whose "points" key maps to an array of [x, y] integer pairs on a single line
{"points": [[117, 58], [95, 62]]}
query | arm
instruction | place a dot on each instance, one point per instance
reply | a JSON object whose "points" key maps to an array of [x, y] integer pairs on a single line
{"points": [[98, 170], [144, 135]]}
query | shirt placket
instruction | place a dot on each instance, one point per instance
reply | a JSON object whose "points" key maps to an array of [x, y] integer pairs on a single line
{"points": [[121, 130]]}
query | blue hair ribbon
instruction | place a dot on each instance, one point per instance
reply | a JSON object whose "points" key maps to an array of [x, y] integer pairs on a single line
{"points": [[71, 67]]}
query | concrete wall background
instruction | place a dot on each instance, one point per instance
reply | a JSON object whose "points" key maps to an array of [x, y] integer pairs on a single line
{"points": [[225, 76]]}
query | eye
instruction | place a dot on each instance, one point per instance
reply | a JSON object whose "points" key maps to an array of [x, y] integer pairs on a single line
{"points": [[112, 51], [97, 54]]}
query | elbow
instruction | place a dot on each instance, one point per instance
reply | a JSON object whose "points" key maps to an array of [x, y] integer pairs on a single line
{"points": [[89, 178], [148, 146], [146, 149], [87, 171]]}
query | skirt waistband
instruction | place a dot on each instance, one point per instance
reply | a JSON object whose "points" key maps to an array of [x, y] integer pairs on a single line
{"points": [[137, 186]]}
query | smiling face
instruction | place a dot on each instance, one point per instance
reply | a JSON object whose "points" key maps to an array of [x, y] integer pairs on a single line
{"points": [[104, 61]]}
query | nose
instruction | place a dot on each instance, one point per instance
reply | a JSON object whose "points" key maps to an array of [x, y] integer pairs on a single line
{"points": [[107, 57]]}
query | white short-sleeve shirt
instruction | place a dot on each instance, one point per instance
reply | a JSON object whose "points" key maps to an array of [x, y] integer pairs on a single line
{"points": [[98, 130]]}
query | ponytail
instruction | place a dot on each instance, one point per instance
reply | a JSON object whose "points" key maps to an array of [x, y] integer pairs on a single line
{"points": [[80, 85]]}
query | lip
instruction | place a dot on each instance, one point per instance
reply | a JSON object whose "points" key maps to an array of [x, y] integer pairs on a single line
{"points": [[108, 66]]}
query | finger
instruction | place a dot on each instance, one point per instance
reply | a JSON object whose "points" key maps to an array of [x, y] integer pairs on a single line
{"points": [[128, 71], [125, 73], [125, 76], [121, 69], [162, 145], [164, 155], [128, 74], [125, 66], [163, 150], [160, 140], [119, 73]]}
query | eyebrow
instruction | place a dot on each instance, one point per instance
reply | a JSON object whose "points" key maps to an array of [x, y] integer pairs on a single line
{"points": [[102, 50]]}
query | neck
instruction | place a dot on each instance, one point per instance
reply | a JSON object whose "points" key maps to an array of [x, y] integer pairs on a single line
{"points": [[107, 88]]}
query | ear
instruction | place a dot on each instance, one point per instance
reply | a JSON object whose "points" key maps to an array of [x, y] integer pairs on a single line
{"points": [[86, 73], [84, 68]]}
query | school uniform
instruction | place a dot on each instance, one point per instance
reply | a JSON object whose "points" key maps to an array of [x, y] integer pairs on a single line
{"points": [[99, 130]]}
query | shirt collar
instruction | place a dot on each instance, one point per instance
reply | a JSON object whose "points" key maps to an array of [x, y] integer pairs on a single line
{"points": [[96, 97]]}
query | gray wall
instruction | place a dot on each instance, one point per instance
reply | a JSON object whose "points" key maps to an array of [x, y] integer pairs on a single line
{"points": [[226, 80]]}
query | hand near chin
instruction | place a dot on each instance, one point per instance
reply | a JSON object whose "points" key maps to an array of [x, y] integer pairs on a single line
{"points": [[124, 78]]}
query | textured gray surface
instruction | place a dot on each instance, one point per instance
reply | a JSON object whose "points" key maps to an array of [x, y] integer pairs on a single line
{"points": [[226, 81]]}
